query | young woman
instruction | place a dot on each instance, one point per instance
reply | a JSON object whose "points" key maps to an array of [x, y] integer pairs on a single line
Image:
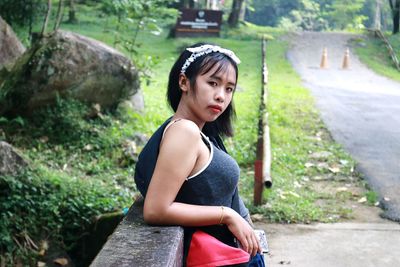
{"points": [[184, 172]]}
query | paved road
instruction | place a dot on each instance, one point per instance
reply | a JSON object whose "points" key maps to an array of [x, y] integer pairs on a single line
{"points": [[333, 245], [360, 108]]}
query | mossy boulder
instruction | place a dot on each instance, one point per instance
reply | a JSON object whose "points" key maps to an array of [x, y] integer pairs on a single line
{"points": [[10, 161], [70, 65], [10, 46]]}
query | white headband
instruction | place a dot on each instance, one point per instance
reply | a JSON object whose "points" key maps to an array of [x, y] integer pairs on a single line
{"points": [[207, 49]]}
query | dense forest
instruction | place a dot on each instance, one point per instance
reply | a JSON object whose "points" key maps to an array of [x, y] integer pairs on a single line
{"points": [[315, 15]]}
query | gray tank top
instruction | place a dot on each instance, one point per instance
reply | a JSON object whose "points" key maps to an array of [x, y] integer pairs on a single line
{"points": [[214, 185]]}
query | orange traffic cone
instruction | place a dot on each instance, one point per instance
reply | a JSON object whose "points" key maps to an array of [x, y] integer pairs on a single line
{"points": [[346, 59], [324, 60]]}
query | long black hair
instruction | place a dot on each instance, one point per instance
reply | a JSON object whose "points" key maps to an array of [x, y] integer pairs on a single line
{"points": [[222, 126]]}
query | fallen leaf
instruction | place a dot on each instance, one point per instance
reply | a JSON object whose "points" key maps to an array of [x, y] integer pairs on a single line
{"points": [[41, 264], [362, 200], [293, 194], [257, 217], [61, 261], [342, 189], [334, 169], [323, 165], [321, 155], [305, 178], [297, 184], [88, 147], [309, 164], [44, 139]]}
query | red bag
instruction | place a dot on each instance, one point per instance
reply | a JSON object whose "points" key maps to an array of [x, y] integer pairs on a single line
{"points": [[207, 251]]}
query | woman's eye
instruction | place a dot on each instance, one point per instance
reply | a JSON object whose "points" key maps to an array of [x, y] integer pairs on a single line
{"points": [[229, 89], [212, 83]]}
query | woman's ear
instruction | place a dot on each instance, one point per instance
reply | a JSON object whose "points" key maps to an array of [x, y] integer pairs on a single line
{"points": [[184, 83]]}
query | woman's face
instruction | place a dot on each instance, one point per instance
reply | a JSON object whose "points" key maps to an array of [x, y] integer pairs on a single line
{"points": [[213, 93]]}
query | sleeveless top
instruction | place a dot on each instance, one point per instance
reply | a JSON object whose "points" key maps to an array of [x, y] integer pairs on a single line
{"points": [[214, 185]]}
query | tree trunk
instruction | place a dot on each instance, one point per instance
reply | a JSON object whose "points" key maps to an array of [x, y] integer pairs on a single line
{"points": [[242, 13], [395, 6], [59, 15], [187, 3], [46, 18], [233, 19], [377, 19], [72, 12]]}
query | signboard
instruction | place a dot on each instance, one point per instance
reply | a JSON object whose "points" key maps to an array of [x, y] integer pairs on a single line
{"points": [[198, 22]]}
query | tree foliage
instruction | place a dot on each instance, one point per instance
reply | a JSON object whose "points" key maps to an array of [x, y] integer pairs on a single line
{"points": [[22, 12], [324, 14], [308, 17], [137, 15], [346, 14]]}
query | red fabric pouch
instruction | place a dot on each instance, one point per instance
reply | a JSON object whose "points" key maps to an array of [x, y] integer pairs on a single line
{"points": [[207, 251]]}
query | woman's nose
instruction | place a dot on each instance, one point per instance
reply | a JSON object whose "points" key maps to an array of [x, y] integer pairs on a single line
{"points": [[219, 95]]}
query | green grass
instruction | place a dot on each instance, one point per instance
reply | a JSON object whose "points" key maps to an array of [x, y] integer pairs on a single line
{"points": [[374, 54], [296, 132]]}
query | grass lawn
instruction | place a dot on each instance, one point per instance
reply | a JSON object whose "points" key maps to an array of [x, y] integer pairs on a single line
{"points": [[374, 54]]}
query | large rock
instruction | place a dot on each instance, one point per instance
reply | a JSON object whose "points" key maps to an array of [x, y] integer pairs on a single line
{"points": [[10, 46], [10, 161], [69, 64]]}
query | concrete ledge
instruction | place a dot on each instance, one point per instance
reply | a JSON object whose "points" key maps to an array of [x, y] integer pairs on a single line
{"points": [[135, 243]]}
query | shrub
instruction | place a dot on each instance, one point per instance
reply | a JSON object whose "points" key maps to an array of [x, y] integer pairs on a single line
{"points": [[43, 205]]}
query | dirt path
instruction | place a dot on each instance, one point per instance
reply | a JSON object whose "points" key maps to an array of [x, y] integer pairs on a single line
{"points": [[360, 108]]}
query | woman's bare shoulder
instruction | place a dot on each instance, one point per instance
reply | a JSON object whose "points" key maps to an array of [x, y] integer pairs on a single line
{"points": [[182, 130]]}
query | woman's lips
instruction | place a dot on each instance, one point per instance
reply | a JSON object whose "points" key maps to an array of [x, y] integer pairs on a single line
{"points": [[215, 108]]}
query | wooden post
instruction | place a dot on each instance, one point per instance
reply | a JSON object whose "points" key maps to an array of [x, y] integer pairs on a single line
{"points": [[262, 165]]}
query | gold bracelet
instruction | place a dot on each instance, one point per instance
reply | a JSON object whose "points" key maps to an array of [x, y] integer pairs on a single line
{"points": [[222, 215]]}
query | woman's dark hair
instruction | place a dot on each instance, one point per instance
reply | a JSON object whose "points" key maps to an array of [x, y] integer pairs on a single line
{"points": [[222, 126]]}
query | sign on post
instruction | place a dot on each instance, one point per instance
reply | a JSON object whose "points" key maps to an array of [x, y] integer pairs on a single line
{"points": [[198, 22]]}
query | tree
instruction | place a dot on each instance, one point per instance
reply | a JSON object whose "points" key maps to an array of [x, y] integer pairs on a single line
{"points": [[233, 19], [347, 13], [46, 18], [184, 4], [269, 12], [307, 17], [395, 7], [72, 12]]}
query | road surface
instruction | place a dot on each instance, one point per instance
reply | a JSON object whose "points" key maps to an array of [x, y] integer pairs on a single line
{"points": [[360, 108]]}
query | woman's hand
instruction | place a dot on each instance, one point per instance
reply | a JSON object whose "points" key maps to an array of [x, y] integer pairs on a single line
{"points": [[242, 230]]}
